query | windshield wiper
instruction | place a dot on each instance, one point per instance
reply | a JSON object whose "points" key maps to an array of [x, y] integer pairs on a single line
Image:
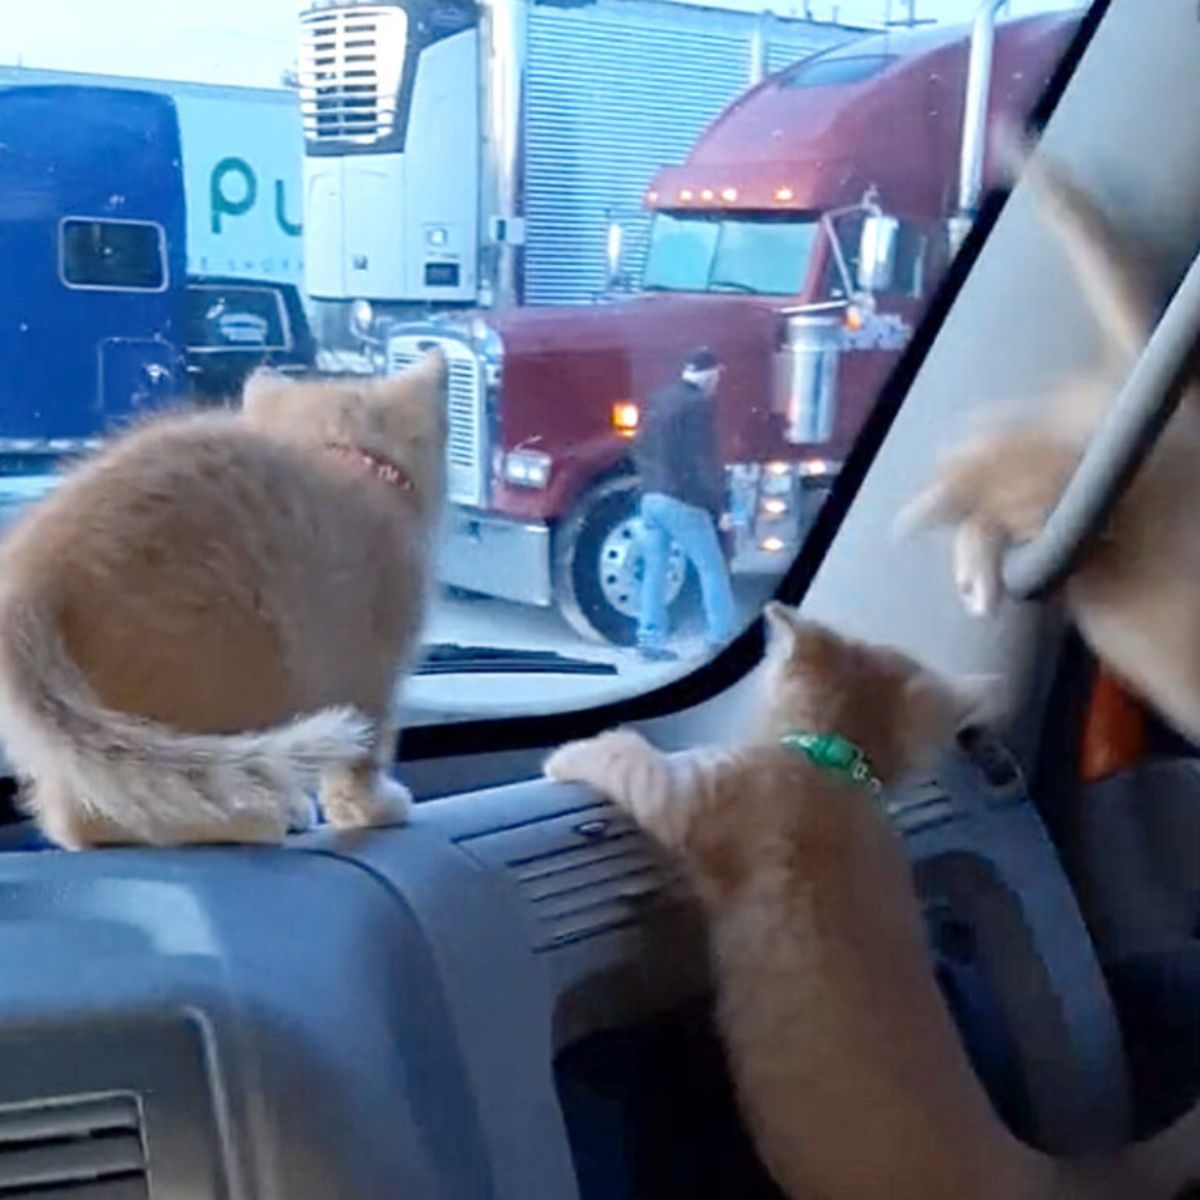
{"points": [[732, 285], [450, 658]]}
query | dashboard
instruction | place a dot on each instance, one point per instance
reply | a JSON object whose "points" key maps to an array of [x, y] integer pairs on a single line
{"points": [[397, 1013]]}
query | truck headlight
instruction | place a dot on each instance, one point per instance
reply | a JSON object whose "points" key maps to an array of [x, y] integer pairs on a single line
{"points": [[527, 468], [817, 468], [777, 479], [362, 317], [625, 417]]}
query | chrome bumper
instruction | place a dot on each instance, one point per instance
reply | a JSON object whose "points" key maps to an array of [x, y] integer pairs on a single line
{"points": [[765, 543], [750, 559], [496, 556]]}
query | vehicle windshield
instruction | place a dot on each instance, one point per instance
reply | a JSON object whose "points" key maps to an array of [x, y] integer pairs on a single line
{"points": [[234, 318], [191, 192], [761, 256]]}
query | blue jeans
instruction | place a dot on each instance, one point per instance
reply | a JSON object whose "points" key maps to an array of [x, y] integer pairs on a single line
{"points": [[666, 520]]}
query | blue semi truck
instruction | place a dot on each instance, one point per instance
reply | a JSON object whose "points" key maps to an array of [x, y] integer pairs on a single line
{"points": [[92, 241], [100, 321]]}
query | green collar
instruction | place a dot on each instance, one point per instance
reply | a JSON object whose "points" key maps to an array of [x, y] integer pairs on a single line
{"points": [[832, 752]]}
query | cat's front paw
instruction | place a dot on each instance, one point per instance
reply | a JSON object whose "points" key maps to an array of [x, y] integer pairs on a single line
{"points": [[572, 763], [593, 761], [978, 568], [390, 803]]}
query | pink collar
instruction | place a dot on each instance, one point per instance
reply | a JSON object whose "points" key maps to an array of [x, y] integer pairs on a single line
{"points": [[382, 468]]}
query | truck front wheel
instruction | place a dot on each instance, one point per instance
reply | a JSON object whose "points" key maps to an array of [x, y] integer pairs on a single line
{"points": [[598, 565]]}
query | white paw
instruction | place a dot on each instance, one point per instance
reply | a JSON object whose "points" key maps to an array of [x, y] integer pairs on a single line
{"points": [[357, 804], [303, 812], [391, 801], [569, 763], [977, 595], [978, 558]]}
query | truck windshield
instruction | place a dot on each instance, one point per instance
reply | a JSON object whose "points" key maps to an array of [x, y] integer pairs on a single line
{"points": [[332, 189], [757, 255]]}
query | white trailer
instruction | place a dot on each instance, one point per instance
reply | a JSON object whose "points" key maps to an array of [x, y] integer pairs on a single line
{"points": [[462, 153]]}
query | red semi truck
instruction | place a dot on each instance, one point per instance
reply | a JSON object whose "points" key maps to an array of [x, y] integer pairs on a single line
{"points": [[799, 240]]}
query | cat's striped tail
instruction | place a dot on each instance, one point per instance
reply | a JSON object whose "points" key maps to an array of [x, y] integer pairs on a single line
{"points": [[159, 783]]}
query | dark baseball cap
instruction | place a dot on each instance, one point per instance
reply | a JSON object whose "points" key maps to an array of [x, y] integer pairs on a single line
{"points": [[701, 359]]}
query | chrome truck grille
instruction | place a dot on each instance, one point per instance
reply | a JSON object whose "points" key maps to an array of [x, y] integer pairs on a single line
{"points": [[350, 67], [466, 451]]}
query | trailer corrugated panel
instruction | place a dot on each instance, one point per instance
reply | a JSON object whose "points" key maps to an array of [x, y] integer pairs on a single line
{"points": [[615, 90]]}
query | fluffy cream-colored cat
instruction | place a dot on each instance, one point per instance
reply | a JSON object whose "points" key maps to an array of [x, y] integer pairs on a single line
{"points": [[848, 1067], [1135, 594], [211, 615]]}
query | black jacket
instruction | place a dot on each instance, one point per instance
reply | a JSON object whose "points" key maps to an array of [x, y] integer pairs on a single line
{"points": [[676, 447]]}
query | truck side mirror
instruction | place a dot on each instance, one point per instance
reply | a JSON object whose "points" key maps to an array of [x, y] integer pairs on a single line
{"points": [[877, 252], [614, 254]]}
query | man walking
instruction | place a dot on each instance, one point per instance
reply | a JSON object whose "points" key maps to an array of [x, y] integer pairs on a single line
{"points": [[683, 497]]}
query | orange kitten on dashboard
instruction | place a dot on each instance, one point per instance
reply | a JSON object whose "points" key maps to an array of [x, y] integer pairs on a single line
{"points": [[211, 614], [1135, 593], [848, 1067]]}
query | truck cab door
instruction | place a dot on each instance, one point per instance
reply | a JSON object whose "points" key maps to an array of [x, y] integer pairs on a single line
{"points": [[136, 374]]}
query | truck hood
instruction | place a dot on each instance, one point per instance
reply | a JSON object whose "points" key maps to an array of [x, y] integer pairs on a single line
{"points": [[666, 324], [564, 369]]}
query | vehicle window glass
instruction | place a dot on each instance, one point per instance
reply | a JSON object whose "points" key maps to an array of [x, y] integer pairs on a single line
{"points": [[635, 228], [108, 254], [839, 69], [681, 253], [767, 258], [232, 318], [764, 256]]}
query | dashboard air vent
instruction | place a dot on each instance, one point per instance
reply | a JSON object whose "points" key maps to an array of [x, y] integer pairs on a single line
{"points": [[584, 872], [87, 1148], [920, 807]]}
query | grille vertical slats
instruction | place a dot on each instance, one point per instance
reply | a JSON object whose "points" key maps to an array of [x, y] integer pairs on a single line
{"points": [[466, 457]]}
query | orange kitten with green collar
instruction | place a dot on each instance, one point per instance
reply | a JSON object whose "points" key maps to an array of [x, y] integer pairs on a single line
{"points": [[849, 1070], [211, 614]]}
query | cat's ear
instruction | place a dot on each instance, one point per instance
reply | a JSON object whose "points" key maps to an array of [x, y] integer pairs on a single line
{"points": [[781, 624], [804, 642], [816, 650], [411, 406], [265, 391], [423, 383]]}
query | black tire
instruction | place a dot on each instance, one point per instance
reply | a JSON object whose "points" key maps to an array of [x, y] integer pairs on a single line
{"points": [[603, 609]]}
